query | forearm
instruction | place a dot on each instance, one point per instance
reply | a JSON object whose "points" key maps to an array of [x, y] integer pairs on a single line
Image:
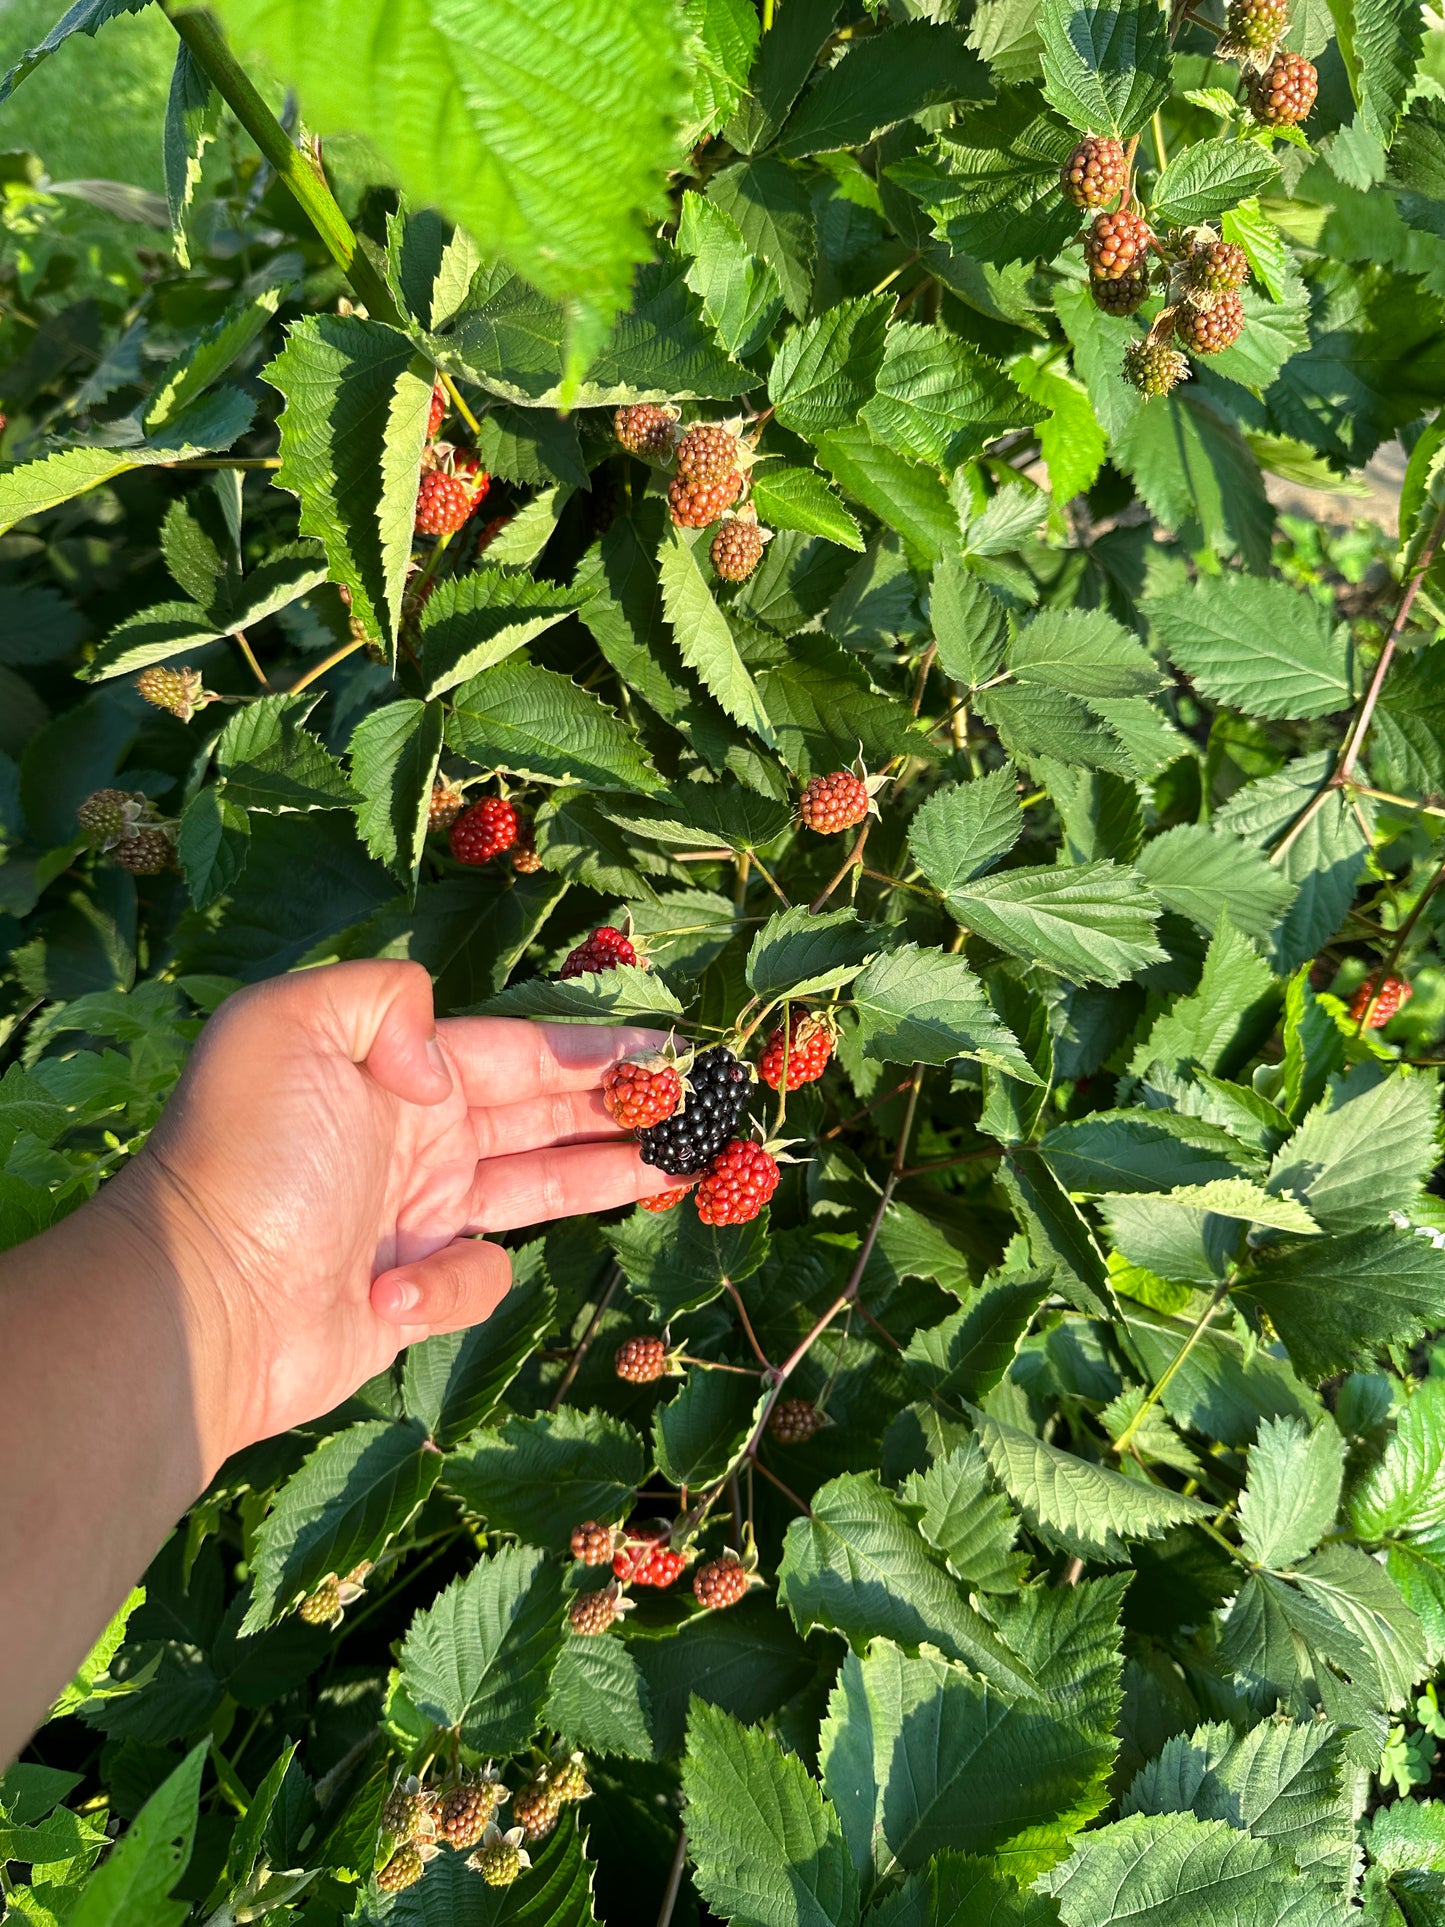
{"points": [[104, 1433]]}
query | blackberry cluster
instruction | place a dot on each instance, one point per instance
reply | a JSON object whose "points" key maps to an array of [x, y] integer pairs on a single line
{"points": [[688, 1141]]}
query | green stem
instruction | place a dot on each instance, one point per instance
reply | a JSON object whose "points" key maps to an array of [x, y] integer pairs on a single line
{"points": [[1152, 1398], [211, 54]]}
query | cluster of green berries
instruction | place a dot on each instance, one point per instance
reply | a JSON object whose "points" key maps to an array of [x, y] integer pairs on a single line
{"points": [[1280, 87], [124, 825], [418, 1821]]}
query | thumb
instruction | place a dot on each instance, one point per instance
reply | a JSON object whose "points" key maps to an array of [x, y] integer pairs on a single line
{"points": [[460, 1285]]}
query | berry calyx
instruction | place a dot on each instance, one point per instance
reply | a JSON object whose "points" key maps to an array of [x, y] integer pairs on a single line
{"points": [[1393, 992], [484, 831], [647, 430], [437, 413], [501, 1856], [146, 853], [721, 1583], [180, 691], [641, 1359], [664, 1200], [707, 452], [737, 548], [835, 802], [1252, 30], [443, 503], [1216, 267], [687, 1142], [403, 1870], [1283, 95], [1115, 242], [535, 1808], [592, 1543], [446, 805], [593, 1612], [1208, 331], [1124, 295], [737, 1184], [464, 1812], [696, 505], [605, 949], [795, 1420], [641, 1091], [1095, 172], [805, 1047], [107, 817], [1153, 367]]}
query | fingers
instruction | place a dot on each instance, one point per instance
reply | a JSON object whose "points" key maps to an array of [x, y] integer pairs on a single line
{"points": [[534, 1187], [509, 1060], [460, 1285], [570, 1118], [377, 1013]]}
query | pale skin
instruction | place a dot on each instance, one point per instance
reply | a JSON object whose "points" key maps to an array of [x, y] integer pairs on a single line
{"points": [[308, 1205]]}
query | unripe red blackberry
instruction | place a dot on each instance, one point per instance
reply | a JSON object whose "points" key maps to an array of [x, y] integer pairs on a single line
{"points": [[446, 805], [535, 1809], [1126, 294], [437, 413], [107, 817], [592, 1613], [443, 503], [463, 1813], [1154, 367], [1393, 992], [1115, 242], [721, 1583], [525, 860], [647, 430], [605, 949], [1284, 93], [1216, 267], [794, 1421], [403, 1870], [737, 1184], [707, 453], [696, 505], [1095, 172], [592, 1543], [805, 1048], [664, 1200], [1252, 29], [737, 548], [641, 1359], [146, 853], [484, 831], [833, 803], [178, 690], [1208, 331]]}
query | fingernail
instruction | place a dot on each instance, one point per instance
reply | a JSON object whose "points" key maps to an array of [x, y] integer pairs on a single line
{"points": [[437, 1059], [398, 1295]]}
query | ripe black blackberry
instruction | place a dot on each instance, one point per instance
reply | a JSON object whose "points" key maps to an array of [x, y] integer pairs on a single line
{"points": [[689, 1140]]}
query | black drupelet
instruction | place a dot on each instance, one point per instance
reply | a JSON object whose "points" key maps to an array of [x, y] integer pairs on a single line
{"points": [[689, 1140]]}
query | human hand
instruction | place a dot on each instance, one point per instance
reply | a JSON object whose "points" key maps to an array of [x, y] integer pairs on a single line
{"points": [[329, 1153]]}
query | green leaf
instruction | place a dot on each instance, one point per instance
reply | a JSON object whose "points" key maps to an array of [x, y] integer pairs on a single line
{"points": [[967, 1355], [1171, 1870], [1338, 1301], [1258, 645], [1333, 1161], [800, 498], [765, 1845], [599, 1699], [1093, 923], [538, 1476], [451, 1383], [1221, 1023], [209, 356], [472, 622], [786, 59], [1083, 652], [1323, 859], [825, 371], [955, 1887], [394, 755], [1057, 1233], [769, 205], [85, 16], [725, 41], [1071, 442], [556, 1891], [479, 1658], [354, 1492], [699, 1435], [1154, 1150], [1203, 874], [1293, 1491], [964, 828], [969, 625], [1106, 62], [674, 1262], [534, 722], [1403, 1493], [1086, 1509], [860, 1568], [925, 1006], [193, 112], [1207, 178], [1388, 37], [881, 80], [92, 1669], [596, 997], [991, 186], [821, 706], [800, 954], [269, 761], [212, 845], [130, 1889], [352, 431], [940, 401], [704, 639], [902, 494], [962, 1513]]}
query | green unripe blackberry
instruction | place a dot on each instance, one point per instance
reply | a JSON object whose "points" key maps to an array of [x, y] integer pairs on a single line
{"points": [[1125, 295], [1154, 367], [146, 853], [404, 1869], [1253, 29]]}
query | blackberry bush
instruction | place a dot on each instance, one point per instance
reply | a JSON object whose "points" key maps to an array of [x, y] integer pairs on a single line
{"points": [[814, 625]]}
